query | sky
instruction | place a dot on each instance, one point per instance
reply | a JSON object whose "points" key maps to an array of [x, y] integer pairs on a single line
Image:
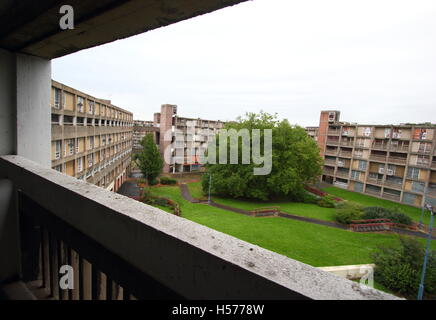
{"points": [[374, 60]]}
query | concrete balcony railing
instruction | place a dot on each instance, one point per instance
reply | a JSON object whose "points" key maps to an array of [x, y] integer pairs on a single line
{"points": [[397, 160], [346, 154], [334, 132], [376, 157], [342, 174], [120, 248], [347, 143], [333, 142], [330, 162], [392, 184], [380, 146], [331, 152], [433, 164], [373, 192], [375, 181], [391, 196], [399, 148]]}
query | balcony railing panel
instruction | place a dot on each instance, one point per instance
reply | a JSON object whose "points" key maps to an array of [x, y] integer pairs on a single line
{"points": [[126, 239]]}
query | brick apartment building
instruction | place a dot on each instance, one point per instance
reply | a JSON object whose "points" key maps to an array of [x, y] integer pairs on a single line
{"points": [[91, 138], [394, 162]]}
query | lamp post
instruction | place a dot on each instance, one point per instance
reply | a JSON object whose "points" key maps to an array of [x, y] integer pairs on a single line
{"points": [[427, 252]]}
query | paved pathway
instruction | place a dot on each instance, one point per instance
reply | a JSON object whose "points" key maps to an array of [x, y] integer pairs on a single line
{"points": [[129, 189], [184, 190]]}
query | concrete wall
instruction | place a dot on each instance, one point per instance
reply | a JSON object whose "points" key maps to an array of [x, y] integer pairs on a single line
{"points": [[25, 130]]}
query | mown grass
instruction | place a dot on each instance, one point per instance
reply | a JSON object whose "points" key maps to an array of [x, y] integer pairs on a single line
{"points": [[368, 201], [310, 243]]}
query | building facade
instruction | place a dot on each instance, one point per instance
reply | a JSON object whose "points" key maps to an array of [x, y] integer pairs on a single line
{"points": [[394, 162], [182, 141], [91, 138], [140, 129]]}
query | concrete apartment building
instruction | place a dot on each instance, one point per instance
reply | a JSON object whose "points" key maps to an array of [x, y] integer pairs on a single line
{"points": [[394, 162], [91, 138], [188, 136], [140, 129]]}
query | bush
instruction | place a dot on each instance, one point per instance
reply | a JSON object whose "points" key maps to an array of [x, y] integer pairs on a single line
{"points": [[395, 215], [327, 202], [309, 198], [168, 181], [153, 182], [347, 211], [399, 268]]}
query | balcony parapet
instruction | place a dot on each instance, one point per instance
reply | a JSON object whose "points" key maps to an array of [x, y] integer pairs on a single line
{"points": [[174, 254]]}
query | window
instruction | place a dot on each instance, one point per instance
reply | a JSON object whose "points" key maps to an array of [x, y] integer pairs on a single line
{"points": [[80, 164], [355, 175], [80, 103], [91, 107], [422, 160], [418, 186], [70, 146], [413, 173], [58, 168], [409, 198], [57, 98], [91, 142], [58, 146], [362, 165], [90, 160]]}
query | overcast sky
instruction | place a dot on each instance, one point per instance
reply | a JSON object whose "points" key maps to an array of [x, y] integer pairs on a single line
{"points": [[374, 60]]}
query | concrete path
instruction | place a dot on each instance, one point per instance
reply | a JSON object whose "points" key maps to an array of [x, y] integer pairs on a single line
{"points": [[184, 190], [129, 189]]}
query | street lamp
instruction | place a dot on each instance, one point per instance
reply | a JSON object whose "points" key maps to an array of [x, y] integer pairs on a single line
{"points": [[427, 252]]}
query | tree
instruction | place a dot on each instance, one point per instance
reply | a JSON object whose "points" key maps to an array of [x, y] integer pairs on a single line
{"points": [[399, 268], [295, 162], [149, 161]]}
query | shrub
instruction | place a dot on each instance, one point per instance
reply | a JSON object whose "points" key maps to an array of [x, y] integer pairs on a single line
{"points": [[168, 181], [153, 182], [348, 211], [327, 202], [399, 268], [395, 215], [309, 198]]}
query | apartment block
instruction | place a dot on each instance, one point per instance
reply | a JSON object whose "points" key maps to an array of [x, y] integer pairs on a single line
{"points": [[140, 129], [183, 140], [394, 162], [91, 138]]}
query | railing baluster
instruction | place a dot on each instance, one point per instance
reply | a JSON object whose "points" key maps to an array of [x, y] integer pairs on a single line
{"points": [[94, 283], [76, 267], [54, 279], [109, 286]]}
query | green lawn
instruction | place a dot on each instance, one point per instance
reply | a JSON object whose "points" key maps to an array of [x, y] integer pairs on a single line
{"points": [[312, 244], [368, 201], [296, 208]]}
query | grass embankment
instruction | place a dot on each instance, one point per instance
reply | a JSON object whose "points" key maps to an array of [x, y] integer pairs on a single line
{"points": [[368, 201], [312, 244]]}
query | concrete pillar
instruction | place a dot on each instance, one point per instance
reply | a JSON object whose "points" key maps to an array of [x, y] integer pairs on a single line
{"points": [[25, 129], [33, 109], [166, 123]]}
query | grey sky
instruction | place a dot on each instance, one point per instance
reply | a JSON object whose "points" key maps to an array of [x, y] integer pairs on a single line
{"points": [[375, 60]]}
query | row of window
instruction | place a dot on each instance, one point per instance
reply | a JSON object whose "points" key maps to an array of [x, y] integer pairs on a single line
{"points": [[87, 106], [71, 147]]}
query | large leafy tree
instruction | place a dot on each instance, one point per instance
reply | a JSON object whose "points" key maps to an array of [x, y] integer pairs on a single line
{"points": [[295, 162], [149, 161]]}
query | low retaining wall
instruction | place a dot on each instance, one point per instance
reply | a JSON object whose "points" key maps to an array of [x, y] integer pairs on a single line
{"points": [[351, 271]]}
